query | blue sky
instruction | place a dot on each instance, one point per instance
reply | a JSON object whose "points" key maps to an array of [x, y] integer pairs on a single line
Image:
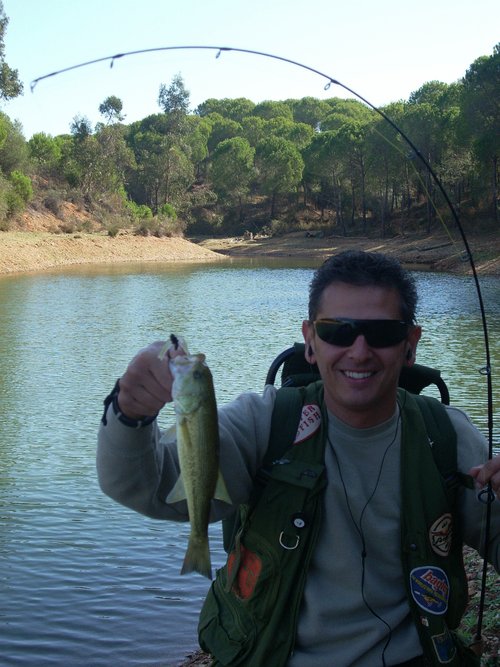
{"points": [[384, 50]]}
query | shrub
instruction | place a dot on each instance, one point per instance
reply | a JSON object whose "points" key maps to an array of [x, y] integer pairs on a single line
{"points": [[22, 185], [168, 211], [53, 204], [138, 211]]}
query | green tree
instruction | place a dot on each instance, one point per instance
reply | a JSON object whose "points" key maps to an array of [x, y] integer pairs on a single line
{"points": [[232, 169], [279, 166], [480, 108], [299, 134], [325, 170], [175, 97], [310, 110], [272, 109], [342, 111], [164, 170], [253, 129], [197, 135], [81, 128], [235, 109], [45, 152], [221, 128], [111, 109], [97, 162], [13, 147], [10, 86]]}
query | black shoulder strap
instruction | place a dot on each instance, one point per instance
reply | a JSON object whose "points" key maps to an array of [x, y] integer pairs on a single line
{"points": [[285, 421], [443, 439], [284, 424], [442, 436]]}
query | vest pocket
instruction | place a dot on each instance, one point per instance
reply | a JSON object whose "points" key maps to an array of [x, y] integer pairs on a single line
{"points": [[239, 602]]}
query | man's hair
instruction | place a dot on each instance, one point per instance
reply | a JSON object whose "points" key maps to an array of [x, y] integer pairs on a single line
{"points": [[364, 269]]}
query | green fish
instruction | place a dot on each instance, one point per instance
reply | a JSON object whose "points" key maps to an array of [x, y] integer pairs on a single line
{"points": [[198, 446]]}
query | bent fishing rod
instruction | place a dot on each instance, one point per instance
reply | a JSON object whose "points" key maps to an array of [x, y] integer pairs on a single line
{"points": [[486, 496]]}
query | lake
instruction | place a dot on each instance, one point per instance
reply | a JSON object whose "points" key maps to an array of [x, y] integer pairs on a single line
{"points": [[83, 581]]}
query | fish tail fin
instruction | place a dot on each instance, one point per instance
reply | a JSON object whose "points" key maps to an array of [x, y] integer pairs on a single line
{"points": [[197, 558]]}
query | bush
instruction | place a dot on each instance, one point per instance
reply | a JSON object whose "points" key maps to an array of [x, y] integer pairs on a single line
{"points": [[160, 228], [138, 211], [52, 203], [4, 208], [168, 211], [15, 203], [22, 185]]}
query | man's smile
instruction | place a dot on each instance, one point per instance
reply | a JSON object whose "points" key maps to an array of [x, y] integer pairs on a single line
{"points": [[358, 375]]}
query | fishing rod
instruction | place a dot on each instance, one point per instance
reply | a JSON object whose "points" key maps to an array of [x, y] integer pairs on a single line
{"points": [[486, 495]]}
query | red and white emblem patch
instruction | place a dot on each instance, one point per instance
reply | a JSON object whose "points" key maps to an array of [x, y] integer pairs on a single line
{"points": [[440, 535], [310, 421]]}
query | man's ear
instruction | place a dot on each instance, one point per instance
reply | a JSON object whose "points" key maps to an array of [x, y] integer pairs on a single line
{"points": [[411, 350], [308, 332]]}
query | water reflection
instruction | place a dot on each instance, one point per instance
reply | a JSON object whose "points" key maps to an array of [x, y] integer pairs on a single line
{"points": [[80, 577]]}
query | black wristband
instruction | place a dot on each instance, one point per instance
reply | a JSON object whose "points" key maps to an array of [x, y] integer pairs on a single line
{"points": [[112, 398]]}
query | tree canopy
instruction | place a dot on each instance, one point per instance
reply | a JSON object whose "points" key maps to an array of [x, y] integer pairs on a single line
{"points": [[231, 160], [10, 85]]}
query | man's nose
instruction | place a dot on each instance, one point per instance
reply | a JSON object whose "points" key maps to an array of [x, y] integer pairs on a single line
{"points": [[360, 348]]}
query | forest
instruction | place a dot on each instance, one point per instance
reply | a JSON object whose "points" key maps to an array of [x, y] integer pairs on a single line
{"points": [[232, 166]]}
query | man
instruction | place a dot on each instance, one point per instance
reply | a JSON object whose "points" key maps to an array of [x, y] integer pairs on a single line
{"points": [[352, 555]]}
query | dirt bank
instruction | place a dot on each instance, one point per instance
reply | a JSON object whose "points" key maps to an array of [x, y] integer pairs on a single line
{"points": [[37, 251], [436, 252], [23, 251]]}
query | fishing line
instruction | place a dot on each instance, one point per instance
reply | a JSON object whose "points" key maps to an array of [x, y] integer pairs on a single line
{"points": [[486, 370]]}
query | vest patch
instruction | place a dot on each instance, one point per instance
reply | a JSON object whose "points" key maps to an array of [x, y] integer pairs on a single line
{"points": [[440, 534], [310, 421], [250, 567], [430, 589], [444, 646]]}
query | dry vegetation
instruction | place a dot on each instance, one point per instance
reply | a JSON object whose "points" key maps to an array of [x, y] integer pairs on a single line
{"points": [[42, 238]]}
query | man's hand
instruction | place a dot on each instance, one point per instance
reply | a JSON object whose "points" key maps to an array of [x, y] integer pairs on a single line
{"points": [[489, 472], [146, 385]]}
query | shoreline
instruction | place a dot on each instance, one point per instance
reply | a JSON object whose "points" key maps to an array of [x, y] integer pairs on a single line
{"points": [[35, 251]]}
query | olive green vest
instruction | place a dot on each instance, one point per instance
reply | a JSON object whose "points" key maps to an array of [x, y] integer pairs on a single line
{"points": [[250, 614]]}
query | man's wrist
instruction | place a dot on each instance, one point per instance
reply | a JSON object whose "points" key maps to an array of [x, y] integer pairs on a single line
{"points": [[112, 399]]}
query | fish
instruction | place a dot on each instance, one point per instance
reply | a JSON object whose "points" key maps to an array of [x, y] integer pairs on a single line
{"points": [[197, 433]]}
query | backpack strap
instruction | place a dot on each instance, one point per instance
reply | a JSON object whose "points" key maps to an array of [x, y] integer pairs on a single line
{"points": [[284, 424], [443, 440]]}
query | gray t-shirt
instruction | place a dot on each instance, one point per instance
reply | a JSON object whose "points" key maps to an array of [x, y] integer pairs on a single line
{"points": [[354, 608]]}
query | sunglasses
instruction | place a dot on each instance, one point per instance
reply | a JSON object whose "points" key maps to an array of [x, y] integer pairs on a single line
{"points": [[378, 333]]}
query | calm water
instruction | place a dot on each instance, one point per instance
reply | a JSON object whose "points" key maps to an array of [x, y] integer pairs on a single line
{"points": [[83, 581]]}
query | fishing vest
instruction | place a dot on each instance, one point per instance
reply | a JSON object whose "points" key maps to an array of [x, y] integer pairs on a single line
{"points": [[250, 615]]}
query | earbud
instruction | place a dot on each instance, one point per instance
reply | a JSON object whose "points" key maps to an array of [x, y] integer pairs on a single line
{"points": [[310, 350], [409, 354]]}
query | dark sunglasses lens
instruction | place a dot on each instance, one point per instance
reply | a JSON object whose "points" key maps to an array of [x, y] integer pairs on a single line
{"points": [[384, 333], [378, 333], [342, 334]]}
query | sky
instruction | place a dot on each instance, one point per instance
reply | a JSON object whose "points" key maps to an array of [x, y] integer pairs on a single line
{"points": [[383, 50]]}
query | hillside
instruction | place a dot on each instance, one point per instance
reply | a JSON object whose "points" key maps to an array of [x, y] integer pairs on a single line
{"points": [[42, 240]]}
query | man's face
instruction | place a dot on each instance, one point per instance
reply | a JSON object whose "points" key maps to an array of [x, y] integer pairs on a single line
{"points": [[360, 381]]}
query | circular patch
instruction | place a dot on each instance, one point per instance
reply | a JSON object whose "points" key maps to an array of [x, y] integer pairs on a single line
{"points": [[430, 589], [440, 534]]}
